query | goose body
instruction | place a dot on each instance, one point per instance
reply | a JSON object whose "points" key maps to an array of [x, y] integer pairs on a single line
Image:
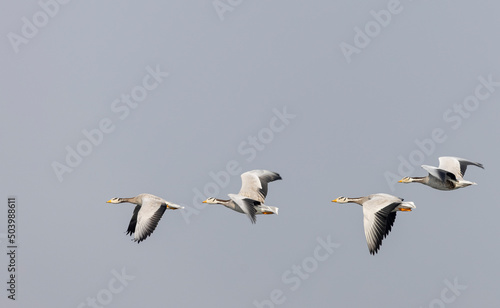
{"points": [[379, 214], [147, 213], [253, 192], [448, 176]]}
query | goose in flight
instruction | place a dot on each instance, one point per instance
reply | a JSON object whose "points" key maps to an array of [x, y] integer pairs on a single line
{"points": [[379, 212], [250, 199], [448, 176], [147, 213]]}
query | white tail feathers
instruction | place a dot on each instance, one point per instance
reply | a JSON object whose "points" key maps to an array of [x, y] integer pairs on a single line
{"points": [[407, 205], [174, 206], [464, 183], [267, 208]]}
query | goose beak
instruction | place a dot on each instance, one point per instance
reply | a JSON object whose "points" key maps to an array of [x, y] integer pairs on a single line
{"points": [[109, 201], [400, 181], [405, 210], [204, 201], [335, 200]]}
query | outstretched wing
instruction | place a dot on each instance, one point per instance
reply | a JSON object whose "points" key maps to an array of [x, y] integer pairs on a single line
{"points": [[456, 165], [438, 173], [247, 206], [133, 220], [378, 221], [147, 219], [254, 184]]}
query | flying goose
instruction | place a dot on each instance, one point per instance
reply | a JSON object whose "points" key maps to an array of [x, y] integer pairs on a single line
{"points": [[379, 212], [147, 213], [448, 176], [250, 199]]}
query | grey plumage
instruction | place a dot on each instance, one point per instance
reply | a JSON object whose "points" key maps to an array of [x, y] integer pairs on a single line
{"points": [[253, 192], [448, 176], [379, 214], [147, 213]]}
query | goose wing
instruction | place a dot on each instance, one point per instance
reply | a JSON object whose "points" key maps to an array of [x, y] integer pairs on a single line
{"points": [[438, 172], [133, 220], [378, 220], [146, 218], [247, 206], [456, 165], [254, 184]]}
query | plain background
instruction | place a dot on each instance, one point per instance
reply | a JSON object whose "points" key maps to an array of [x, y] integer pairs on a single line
{"points": [[353, 123]]}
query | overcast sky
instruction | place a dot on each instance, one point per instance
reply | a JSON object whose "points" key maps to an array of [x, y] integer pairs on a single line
{"points": [[178, 98]]}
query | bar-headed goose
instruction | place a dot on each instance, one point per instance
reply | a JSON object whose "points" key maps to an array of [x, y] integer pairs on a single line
{"points": [[147, 213], [379, 212], [448, 176], [253, 192]]}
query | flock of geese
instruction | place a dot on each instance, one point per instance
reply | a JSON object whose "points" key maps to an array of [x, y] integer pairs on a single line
{"points": [[379, 210]]}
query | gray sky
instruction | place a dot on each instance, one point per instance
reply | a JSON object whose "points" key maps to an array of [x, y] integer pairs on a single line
{"points": [[256, 85]]}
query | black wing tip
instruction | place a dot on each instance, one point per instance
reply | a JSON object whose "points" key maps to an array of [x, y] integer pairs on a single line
{"points": [[384, 229], [134, 239], [275, 176], [253, 215], [466, 162], [137, 241], [373, 251], [253, 220], [151, 225]]}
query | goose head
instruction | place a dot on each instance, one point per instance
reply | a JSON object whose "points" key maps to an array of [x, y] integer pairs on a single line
{"points": [[211, 200], [341, 200], [406, 179], [115, 200]]}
